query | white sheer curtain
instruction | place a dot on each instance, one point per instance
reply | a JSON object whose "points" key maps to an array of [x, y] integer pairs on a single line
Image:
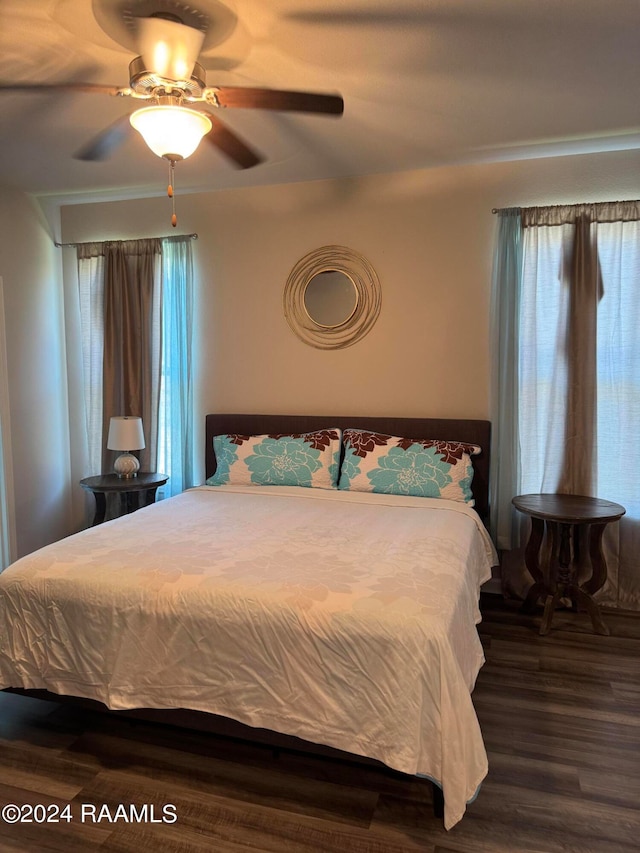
{"points": [[547, 385], [618, 416], [542, 379], [91, 297], [7, 510]]}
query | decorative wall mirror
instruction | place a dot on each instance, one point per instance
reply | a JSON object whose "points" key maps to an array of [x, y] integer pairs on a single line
{"points": [[332, 297]]}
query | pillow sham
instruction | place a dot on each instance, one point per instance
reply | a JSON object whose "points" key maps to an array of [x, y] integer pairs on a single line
{"points": [[309, 459], [374, 462]]}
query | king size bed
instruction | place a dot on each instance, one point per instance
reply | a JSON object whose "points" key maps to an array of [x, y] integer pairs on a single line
{"points": [[322, 584]]}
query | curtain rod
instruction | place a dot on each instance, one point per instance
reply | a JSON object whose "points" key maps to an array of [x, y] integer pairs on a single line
{"points": [[71, 245], [572, 204]]}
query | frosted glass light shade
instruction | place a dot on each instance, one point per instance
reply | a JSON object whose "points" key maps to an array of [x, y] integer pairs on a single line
{"points": [[170, 131], [169, 49], [126, 433]]}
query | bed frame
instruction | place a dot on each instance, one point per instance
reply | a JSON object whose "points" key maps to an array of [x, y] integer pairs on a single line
{"points": [[471, 431]]}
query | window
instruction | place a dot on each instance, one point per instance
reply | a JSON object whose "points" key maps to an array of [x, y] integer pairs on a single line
{"points": [[552, 414], [136, 319], [175, 423]]}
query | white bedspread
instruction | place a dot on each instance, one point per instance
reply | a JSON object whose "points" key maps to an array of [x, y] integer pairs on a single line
{"points": [[347, 619]]}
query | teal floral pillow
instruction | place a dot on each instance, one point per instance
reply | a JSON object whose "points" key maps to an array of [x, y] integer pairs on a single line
{"points": [[309, 459], [405, 466]]}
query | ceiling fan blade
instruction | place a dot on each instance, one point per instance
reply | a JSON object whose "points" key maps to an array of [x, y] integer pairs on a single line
{"points": [[102, 146], [95, 88], [273, 99], [230, 144]]}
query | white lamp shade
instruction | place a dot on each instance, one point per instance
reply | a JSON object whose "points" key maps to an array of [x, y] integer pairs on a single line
{"points": [[169, 49], [125, 433], [171, 131]]}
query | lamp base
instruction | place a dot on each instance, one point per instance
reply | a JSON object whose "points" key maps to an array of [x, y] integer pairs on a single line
{"points": [[126, 466]]}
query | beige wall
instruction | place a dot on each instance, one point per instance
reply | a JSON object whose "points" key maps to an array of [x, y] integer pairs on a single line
{"points": [[32, 281], [429, 234]]}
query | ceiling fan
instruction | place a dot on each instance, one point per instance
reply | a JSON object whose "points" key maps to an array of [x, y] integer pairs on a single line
{"points": [[179, 107]]}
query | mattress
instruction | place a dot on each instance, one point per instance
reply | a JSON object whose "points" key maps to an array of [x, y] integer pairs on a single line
{"points": [[346, 619]]}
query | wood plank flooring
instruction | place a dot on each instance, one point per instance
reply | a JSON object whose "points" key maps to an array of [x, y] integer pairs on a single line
{"points": [[560, 716]]}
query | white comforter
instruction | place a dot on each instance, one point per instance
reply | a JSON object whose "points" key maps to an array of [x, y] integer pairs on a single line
{"points": [[347, 619]]}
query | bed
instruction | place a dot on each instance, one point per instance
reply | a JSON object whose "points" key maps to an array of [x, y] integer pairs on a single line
{"points": [[342, 617]]}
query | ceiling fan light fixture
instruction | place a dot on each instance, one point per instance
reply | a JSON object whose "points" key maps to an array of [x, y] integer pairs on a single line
{"points": [[171, 49], [173, 132]]}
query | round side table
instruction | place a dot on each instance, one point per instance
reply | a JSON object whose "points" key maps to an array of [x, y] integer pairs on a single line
{"points": [[562, 517], [135, 492]]}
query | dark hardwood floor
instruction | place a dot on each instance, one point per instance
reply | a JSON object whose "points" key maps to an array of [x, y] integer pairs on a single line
{"points": [[560, 716]]}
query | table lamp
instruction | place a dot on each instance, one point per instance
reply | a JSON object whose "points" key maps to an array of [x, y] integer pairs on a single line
{"points": [[125, 433]]}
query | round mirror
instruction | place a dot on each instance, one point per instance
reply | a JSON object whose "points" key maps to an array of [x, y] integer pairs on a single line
{"points": [[330, 298]]}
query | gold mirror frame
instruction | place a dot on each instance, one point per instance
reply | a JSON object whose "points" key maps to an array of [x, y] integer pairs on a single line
{"points": [[368, 302]]}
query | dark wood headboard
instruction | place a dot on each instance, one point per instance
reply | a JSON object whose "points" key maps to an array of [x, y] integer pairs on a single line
{"points": [[472, 431]]}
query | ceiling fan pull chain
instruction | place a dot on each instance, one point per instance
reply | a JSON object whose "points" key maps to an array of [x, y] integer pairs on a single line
{"points": [[172, 180]]}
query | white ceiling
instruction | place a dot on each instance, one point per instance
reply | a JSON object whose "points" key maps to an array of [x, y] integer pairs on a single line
{"points": [[425, 83]]}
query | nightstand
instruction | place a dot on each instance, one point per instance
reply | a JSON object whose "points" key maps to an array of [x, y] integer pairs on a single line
{"points": [[134, 492], [561, 517]]}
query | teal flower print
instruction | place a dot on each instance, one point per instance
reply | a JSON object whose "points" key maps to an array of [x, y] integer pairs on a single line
{"points": [[226, 454], [350, 468], [283, 462], [420, 472]]}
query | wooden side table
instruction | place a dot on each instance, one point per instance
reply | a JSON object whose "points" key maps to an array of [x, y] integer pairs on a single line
{"points": [[562, 517], [134, 492]]}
